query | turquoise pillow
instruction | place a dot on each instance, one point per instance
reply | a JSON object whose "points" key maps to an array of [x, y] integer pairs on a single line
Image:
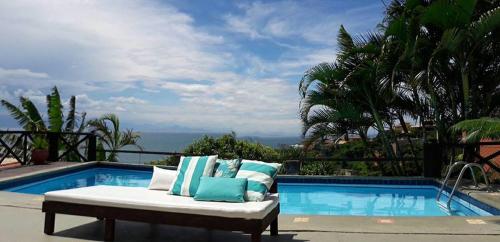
{"points": [[189, 171], [226, 168], [221, 189], [260, 176]]}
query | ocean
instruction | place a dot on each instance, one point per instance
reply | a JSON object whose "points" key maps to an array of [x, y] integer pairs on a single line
{"points": [[176, 142]]}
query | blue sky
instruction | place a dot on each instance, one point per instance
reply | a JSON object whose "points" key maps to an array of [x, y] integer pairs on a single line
{"points": [[175, 65]]}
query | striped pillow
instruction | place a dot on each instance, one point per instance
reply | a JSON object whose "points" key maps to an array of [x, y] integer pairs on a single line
{"points": [[226, 168], [189, 171], [260, 177]]}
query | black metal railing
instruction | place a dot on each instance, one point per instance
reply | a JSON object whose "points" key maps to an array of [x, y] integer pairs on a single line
{"points": [[380, 166], [435, 155], [163, 156], [18, 145], [10, 145], [472, 153], [143, 152], [83, 147]]}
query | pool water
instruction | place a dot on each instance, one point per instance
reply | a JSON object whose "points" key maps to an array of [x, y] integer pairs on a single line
{"points": [[295, 198], [369, 200], [86, 178]]}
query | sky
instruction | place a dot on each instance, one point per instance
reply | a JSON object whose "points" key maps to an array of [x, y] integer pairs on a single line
{"points": [[180, 65]]}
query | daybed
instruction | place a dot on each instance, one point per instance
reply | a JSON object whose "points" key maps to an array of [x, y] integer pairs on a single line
{"points": [[150, 206]]}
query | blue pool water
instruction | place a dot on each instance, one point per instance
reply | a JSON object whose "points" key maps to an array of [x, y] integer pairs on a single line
{"points": [[295, 198], [368, 200], [86, 178]]}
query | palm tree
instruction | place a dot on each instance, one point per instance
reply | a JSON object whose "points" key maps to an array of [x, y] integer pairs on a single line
{"points": [[360, 58], [465, 38], [348, 95], [325, 108], [448, 58], [107, 128], [30, 119]]}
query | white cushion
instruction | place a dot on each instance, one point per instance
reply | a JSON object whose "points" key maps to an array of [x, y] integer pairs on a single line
{"points": [[162, 179], [142, 198]]}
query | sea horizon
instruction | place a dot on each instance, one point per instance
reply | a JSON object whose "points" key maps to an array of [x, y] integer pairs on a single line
{"points": [[178, 141]]}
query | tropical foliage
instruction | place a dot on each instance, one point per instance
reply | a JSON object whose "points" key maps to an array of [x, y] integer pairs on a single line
{"points": [[30, 119], [107, 128], [433, 61], [476, 130], [228, 147]]}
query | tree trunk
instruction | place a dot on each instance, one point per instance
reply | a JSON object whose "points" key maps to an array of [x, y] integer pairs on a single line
{"points": [[364, 139], [407, 134], [398, 150], [466, 93]]}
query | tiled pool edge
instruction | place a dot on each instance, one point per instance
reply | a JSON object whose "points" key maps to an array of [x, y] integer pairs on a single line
{"points": [[36, 175], [484, 205]]}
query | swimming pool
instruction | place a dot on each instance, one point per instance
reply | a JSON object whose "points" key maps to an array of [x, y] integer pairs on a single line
{"points": [[300, 198], [368, 200]]}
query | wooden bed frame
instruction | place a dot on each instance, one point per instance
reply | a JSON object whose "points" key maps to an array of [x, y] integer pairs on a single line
{"points": [[255, 227]]}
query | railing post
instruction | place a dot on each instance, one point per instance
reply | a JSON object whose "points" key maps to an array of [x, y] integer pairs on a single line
{"points": [[292, 167], [433, 155], [92, 148], [53, 146], [25, 149]]}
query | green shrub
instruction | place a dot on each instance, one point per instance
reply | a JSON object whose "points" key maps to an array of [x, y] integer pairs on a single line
{"points": [[227, 147], [322, 168], [168, 161], [40, 143]]}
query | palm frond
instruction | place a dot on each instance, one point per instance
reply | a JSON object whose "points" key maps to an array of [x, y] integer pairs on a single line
{"points": [[21, 117], [33, 113], [477, 129], [54, 110], [486, 24], [71, 117], [107, 128]]}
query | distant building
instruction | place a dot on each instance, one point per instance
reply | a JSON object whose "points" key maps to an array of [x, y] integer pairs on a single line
{"points": [[297, 146]]}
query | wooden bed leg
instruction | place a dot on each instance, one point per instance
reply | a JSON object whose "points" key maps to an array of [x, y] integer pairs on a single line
{"points": [[274, 227], [109, 229], [50, 220], [256, 237]]}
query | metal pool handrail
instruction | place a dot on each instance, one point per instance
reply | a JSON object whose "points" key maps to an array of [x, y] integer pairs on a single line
{"points": [[468, 166], [450, 170]]}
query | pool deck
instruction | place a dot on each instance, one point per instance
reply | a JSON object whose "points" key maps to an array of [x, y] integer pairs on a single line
{"points": [[22, 220], [24, 170]]}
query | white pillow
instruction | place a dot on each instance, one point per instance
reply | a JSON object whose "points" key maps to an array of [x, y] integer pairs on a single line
{"points": [[162, 179]]}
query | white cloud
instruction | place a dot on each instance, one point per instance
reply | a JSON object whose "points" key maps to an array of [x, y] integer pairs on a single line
{"points": [[96, 107], [111, 53], [293, 64], [150, 90], [36, 96], [185, 89], [292, 19], [19, 74], [107, 40], [129, 100]]}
